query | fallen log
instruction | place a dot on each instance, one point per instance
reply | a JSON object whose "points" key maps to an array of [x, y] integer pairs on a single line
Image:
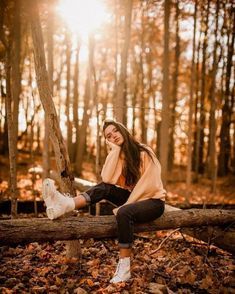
{"points": [[221, 237], [18, 231], [28, 206]]}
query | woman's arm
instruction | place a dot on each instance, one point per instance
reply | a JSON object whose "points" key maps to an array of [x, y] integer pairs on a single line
{"points": [[112, 167], [150, 184]]}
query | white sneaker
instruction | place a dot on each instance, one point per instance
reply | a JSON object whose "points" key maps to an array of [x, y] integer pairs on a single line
{"points": [[57, 204], [122, 272]]}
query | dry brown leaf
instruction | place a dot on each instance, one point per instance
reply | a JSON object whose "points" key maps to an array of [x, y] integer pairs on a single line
{"points": [[58, 281], [95, 273], [79, 291], [93, 262], [206, 283], [90, 282]]}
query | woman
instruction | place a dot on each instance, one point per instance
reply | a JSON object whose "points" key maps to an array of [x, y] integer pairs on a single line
{"points": [[130, 179]]}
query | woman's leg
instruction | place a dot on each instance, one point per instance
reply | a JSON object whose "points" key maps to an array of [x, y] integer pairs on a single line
{"points": [[127, 216], [112, 193], [57, 204], [138, 212]]}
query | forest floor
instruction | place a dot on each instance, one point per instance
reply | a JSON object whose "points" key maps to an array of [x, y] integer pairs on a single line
{"points": [[181, 264]]}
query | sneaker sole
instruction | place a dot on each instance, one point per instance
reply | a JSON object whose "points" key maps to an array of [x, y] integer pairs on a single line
{"points": [[124, 280], [50, 213], [46, 195], [46, 183]]}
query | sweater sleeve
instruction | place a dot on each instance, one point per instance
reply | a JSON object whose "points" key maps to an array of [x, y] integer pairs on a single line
{"points": [[112, 167], [150, 184]]}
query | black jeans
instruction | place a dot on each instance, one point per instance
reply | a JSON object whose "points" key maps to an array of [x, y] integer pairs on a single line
{"points": [[129, 214]]}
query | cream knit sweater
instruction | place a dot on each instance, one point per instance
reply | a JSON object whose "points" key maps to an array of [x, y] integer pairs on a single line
{"points": [[148, 186]]}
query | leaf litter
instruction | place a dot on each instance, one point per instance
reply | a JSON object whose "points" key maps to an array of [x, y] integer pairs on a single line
{"points": [[178, 266]]}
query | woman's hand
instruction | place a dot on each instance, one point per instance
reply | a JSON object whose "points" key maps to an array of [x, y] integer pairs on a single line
{"points": [[111, 145]]}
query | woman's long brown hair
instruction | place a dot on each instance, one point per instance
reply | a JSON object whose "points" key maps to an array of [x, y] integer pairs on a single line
{"points": [[131, 149]]}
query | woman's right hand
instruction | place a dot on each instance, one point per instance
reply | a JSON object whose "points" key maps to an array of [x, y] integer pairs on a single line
{"points": [[111, 145]]}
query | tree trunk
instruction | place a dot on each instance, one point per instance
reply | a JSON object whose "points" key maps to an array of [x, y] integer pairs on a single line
{"points": [[75, 100], [61, 153], [50, 63], [171, 155], [142, 90], [116, 52], [164, 138], [195, 158], [15, 89], [5, 148], [68, 96], [11, 139], [219, 236], [88, 103], [202, 119], [62, 158], [191, 106], [212, 160], [121, 85], [34, 230], [81, 147], [227, 109]]}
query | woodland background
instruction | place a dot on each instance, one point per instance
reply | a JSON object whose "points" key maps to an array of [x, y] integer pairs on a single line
{"points": [[163, 68]]}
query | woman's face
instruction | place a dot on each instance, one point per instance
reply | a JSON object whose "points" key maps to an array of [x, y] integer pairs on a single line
{"points": [[113, 135]]}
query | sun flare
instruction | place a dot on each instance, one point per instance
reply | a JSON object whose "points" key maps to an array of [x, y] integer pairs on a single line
{"points": [[83, 17]]}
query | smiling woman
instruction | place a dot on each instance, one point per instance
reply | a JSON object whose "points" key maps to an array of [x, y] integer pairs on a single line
{"points": [[83, 17]]}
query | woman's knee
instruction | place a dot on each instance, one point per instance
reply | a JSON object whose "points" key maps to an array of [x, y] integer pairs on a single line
{"points": [[123, 213]]}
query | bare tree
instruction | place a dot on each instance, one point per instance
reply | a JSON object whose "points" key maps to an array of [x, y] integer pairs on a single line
{"points": [[191, 104], [61, 153], [88, 100], [202, 119], [13, 88], [164, 138], [174, 95], [212, 158], [121, 84], [75, 99], [65, 175], [50, 62], [228, 103], [68, 90]]}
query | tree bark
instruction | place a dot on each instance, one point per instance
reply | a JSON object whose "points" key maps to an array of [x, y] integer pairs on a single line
{"points": [[228, 104], [68, 93], [11, 140], [174, 96], [120, 98], [195, 157], [35, 230], [75, 99], [142, 87], [191, 105], [164, 137], [81, 147], [212, 158], [63, 163], [15, 90], [50, 64], [202, 119], [61, 153]]}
